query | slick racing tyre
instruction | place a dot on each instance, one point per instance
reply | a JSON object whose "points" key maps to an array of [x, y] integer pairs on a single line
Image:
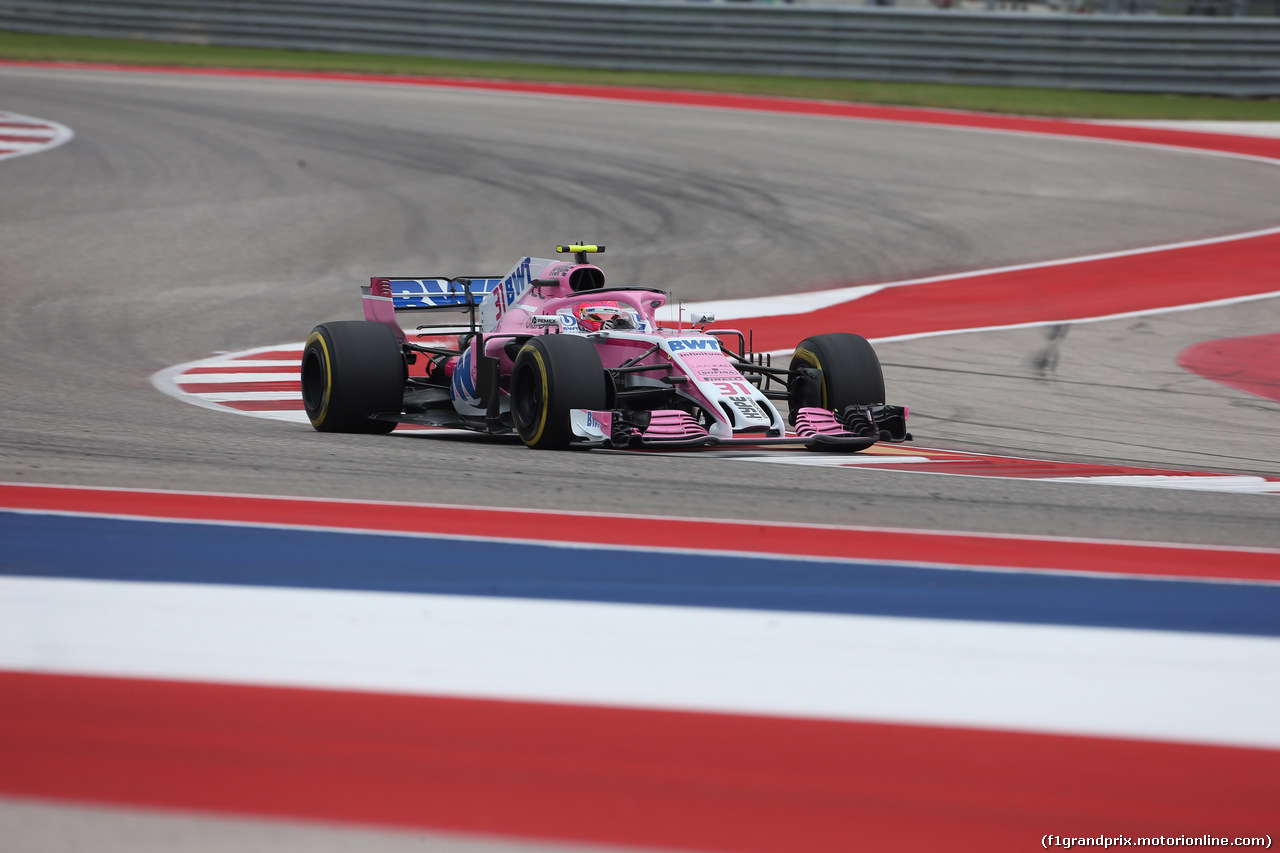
{"points": [[352, 369], [848, 372], [553, 374]]}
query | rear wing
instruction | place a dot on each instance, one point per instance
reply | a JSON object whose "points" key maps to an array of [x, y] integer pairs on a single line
{"points": [[385, 295], [427, 294]]}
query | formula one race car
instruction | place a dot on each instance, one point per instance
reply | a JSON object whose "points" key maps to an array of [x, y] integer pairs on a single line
{"points": [[553, 354]]}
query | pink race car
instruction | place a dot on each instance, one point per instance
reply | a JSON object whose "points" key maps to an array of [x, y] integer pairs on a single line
{"points": [[551, 353]]}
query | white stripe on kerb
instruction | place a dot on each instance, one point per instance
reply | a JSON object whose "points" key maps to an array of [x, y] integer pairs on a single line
{"points": [[243, 396], [56, 134], [188, 379], [1156, 685]]}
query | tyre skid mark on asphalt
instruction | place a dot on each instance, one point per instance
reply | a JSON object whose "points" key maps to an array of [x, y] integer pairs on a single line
{"points": [[1237, 145]]}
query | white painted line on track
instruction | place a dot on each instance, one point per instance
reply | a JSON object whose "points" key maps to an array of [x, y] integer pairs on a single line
{"points": [[246, 396], [293, 417], [772, 306], [1238, 484], [227, 378], [1159, 685]]}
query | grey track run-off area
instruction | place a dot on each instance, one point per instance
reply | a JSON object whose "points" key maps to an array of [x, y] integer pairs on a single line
{"points": [[193, 215]]}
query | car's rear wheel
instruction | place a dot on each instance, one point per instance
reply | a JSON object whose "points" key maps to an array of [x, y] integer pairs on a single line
{"points": [[553, 374], [352, 369], [848, 372]]}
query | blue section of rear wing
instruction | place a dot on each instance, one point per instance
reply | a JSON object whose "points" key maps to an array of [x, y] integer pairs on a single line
{"points": [[427, 293]]}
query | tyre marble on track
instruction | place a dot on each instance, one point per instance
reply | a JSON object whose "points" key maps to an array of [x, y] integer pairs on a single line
{"points": [[195, 215]]}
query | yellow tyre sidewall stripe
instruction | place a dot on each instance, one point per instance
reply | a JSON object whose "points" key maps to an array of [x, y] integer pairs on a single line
{"points": [[546, 399], [812, 360], [316, 337]]}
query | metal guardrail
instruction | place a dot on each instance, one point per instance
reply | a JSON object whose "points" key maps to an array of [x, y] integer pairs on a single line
{"points": [[1224, 56]]}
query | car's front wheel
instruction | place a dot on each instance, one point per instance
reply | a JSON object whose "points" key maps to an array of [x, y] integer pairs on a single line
{"points": [[847, 368], [553, 374], [352, 369]]}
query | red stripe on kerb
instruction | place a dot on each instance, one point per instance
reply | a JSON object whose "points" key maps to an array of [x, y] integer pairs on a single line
{"points": [[1250, 364], [274, 355], [6, 137], [1064, 292], [1014, 552], [620, 776], [235, 387]]}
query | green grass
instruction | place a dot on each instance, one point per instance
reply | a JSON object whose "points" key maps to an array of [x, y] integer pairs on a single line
{"points": [[1023, 101]]}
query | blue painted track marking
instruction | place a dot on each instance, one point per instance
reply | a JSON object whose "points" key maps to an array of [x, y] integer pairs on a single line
{"points": [[128, 550]]}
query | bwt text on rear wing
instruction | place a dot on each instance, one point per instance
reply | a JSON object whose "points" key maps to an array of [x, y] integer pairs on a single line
{"points": [[426, 294], [385, 295]]}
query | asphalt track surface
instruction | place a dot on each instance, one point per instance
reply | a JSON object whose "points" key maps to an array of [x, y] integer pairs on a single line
{"points": [[195, 215], [192, 215]]}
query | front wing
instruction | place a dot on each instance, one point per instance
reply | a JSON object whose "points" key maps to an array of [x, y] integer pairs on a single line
{"points": [[853, 428]]}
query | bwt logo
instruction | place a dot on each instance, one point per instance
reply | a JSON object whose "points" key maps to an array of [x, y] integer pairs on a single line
{"points": [[463, 386], [517, 283], [678, 344]]}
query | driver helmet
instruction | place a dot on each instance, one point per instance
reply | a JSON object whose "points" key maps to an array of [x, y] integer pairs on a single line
{"points": [[594, 316]]}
